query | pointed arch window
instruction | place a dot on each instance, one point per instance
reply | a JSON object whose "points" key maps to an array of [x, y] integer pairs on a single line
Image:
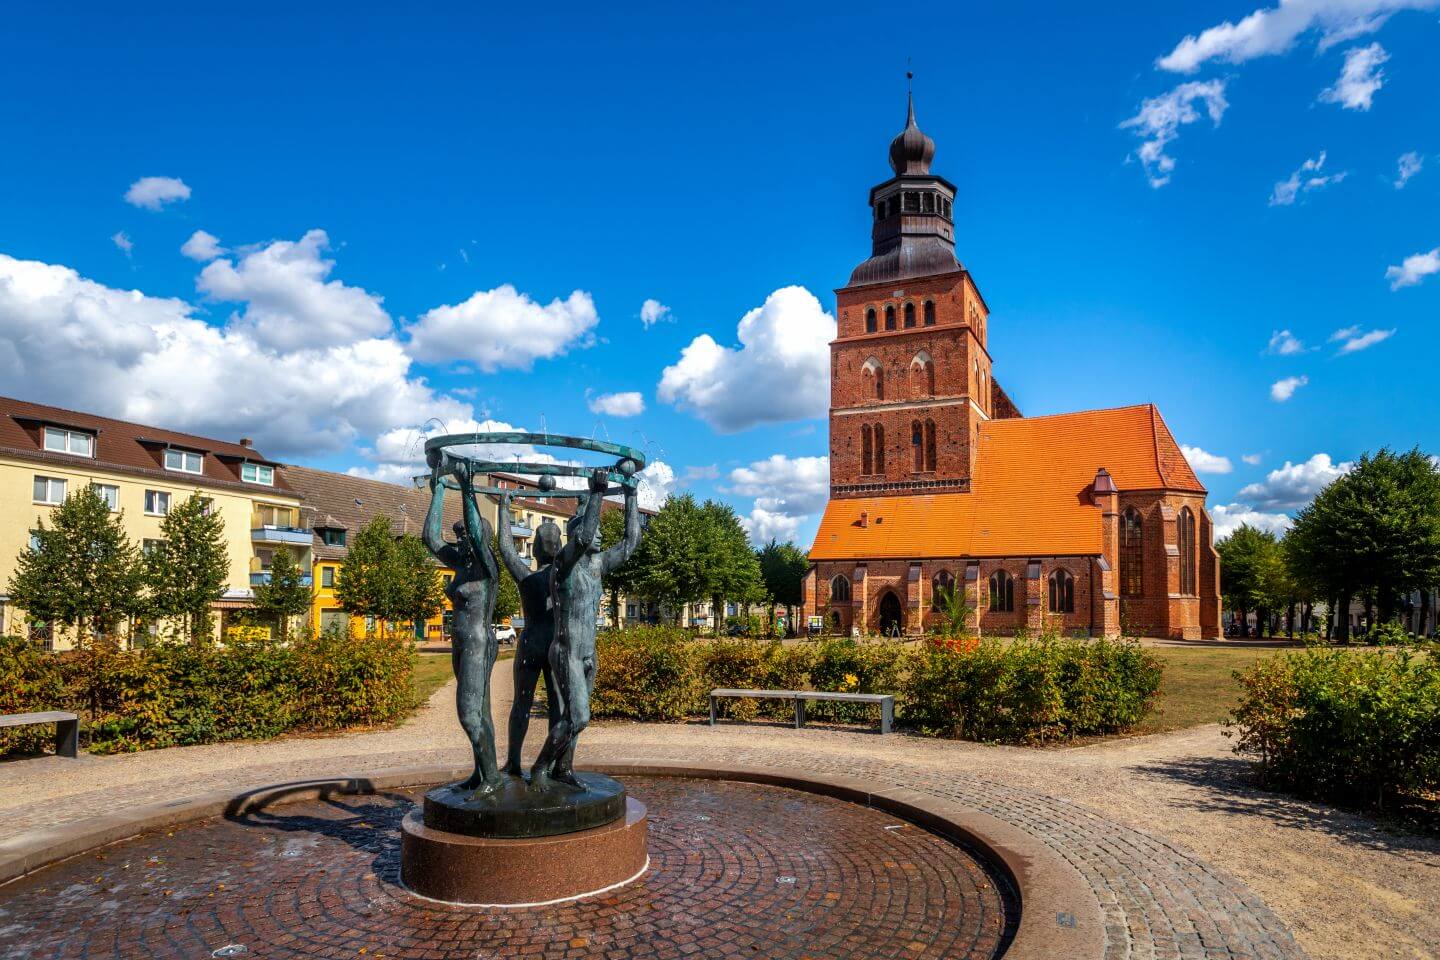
{"points": [[929, 313], [840, 589], [922, 375], [942, 585], [867, 461], [1132, 553], [1185, 529], [879, 448], [890, 316], [1062, 592], [875, 372], [1002, 592], [930, 445], [917, 444], [909, 315], [870, 320]]}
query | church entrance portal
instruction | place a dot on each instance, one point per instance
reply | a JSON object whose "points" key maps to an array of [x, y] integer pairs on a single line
{"points": [[891, 618]]}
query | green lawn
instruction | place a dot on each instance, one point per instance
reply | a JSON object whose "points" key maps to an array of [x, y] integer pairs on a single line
{"points": [[432, 671], [1198, 687]]}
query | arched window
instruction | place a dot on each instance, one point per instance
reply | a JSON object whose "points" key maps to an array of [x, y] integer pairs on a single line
{"points": [[876, 374], [929, 313], [879, 448], [1002, 592], [942, 585], [870, 320], [1185, 529], [922, 375], [1062, 592], [930, 445], [889, 316], [917, 444], [909, 314], [866, 454], [840, 589], [1132, 553]]}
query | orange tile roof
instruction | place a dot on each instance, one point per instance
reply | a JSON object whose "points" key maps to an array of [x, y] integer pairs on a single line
{"points": [[1030, 495]]}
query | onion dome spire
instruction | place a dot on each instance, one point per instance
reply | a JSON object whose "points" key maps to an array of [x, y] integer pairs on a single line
{"points": [[912, 151]]}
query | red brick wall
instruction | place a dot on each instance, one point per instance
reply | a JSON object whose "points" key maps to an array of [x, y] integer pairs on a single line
{"points": [[1161, 610]]}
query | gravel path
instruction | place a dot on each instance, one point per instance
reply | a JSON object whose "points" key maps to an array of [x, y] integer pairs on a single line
{"points": [[1186, 858]]}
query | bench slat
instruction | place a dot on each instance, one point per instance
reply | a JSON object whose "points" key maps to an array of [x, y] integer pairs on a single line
{"points": [[26, 719], [845, 697], [782, 694]]}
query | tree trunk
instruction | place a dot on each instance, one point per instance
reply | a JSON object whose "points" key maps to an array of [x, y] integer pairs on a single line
{"points": [[1422, 618], [1342, 619], [1290, 621]]}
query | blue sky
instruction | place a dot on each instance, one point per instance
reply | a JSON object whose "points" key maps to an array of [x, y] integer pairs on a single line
{"points": [[405, 204]]}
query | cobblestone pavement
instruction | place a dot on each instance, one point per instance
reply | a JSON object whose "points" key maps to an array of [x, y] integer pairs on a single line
{"points": [[1186, 860], [737, 870]]}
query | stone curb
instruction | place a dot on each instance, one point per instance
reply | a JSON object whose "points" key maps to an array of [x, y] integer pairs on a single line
{"points": [[1060, 915]]}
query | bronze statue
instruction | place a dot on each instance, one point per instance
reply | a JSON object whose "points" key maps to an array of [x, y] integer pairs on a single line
{"points": [[532, 647]]}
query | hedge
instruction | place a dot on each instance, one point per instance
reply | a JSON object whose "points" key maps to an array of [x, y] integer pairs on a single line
{"points": [[174, 695]]}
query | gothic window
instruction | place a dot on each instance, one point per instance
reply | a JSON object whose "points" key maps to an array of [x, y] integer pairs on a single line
{"points": [[1132, 552], [1002, 592], [1185, 528], [879, 448], [909, 314], [922, 375], [941, 586], [870, 320], [1062, 592], [840, 589], [929, 313], [889, 316], [866, 454], [876, 375], [917, 443], [930, 445]]}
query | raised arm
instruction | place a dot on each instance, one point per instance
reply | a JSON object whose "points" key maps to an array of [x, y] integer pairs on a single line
{"points": [[434, 534], [622, 551], [476, 529], [518, 568], [589, 525]]}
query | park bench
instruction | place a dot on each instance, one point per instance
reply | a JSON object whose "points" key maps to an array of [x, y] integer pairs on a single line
{"points": [[67, 728], [885, 701]]}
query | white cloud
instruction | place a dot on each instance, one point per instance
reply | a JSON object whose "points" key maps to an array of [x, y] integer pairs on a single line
{"points": [[1228, 517], [1360, 78], [1413, 269], [780, 371], [1160, 118], [202, 246], [764, 525], [1295, 484], [68, 340], [503, 328], [289, 304], [1275, 30], [1307, 178], [153, 193], [1409, 165], [707, 471], [657, 482], [1352, 340], [1253, 459], [652, 312], [626, 404], [1284, 344], [123, 242], [1204, 462], [1282, 390], [787, 492]]}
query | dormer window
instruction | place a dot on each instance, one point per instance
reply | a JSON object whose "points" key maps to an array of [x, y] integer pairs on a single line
{"points": [[60, 440], [333, 536], [184, 461], [257, 473]]}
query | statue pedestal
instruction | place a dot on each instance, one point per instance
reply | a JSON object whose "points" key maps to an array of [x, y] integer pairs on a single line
{"points": [[514, 871]]}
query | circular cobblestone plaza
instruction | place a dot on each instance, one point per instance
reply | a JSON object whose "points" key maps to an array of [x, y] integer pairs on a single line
{"points": [[736, 870]]}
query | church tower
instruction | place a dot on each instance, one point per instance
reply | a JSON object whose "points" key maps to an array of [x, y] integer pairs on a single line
{"points": [[910, 378]]}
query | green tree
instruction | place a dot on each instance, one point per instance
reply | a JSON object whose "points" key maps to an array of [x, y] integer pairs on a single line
{"points": [[672, 563], [82, 571], [1250, 564], [507, 592], [284, 595], [782, 568], [387, 578], [419, 594], [623, 578], [187, 570], [733, 571]]}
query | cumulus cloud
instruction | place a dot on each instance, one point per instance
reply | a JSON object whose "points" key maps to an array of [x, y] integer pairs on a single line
{"points": [[1409, 165], [657, 482], [787, 492], [202, 246], [1295, 484], [1275, 30], [1160, 118], [1307, 178], [1204, 462], [1360, 78], [289, 302], [122, 241], [153, 193], [1413, 269], [626, 404], [779, 372], [1282, 390], [652, 312], [68, 340], [1285, 344], [503, 328], [1228, 517], [1355, 339]]}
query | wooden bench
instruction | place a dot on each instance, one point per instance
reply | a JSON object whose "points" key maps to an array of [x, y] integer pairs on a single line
{"points": [[67, 728], [885, 701]]}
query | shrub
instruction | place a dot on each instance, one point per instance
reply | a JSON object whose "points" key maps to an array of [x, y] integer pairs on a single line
{"points": [[30, 681], [346, 681], [751, 665], [1350, 727], [646, 673], [845, 665]]}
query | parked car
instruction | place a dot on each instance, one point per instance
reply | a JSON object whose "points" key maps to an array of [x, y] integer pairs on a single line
{"points": [[505, 634]]}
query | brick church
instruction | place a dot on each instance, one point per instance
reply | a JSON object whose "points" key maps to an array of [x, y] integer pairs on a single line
{"points": [[1091, 522]]}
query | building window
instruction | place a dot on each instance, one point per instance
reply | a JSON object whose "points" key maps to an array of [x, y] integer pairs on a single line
{"points": [[839, 589], [49, 490], [109, 493], [327, 577], [945, 207], [1062, 592], [917, 444], [270, 515], [34, 543], [332, 536], [930, 445], [185, 461], [876, 373], [912, 202], [58, 440], [1185, 528], [257, 473], [157, 502], [929, 313], [867, 455], [1002, 592], [870, 320], [909, 314], [942, 585], [1132, 553], [922, 375], [890, 316], [879, 448], [266, 557], [927, 203], [148, 546]]}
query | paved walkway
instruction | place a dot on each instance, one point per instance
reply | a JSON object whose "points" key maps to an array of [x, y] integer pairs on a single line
{"points": [[1186, 860]]}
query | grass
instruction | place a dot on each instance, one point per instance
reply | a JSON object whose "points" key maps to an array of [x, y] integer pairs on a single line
{"points": [[1198, 687], [433, 671]]}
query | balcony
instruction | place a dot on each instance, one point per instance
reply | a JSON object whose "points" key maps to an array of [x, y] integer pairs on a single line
{"points": [[292, 536], [522, 530], [259, 574]]}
